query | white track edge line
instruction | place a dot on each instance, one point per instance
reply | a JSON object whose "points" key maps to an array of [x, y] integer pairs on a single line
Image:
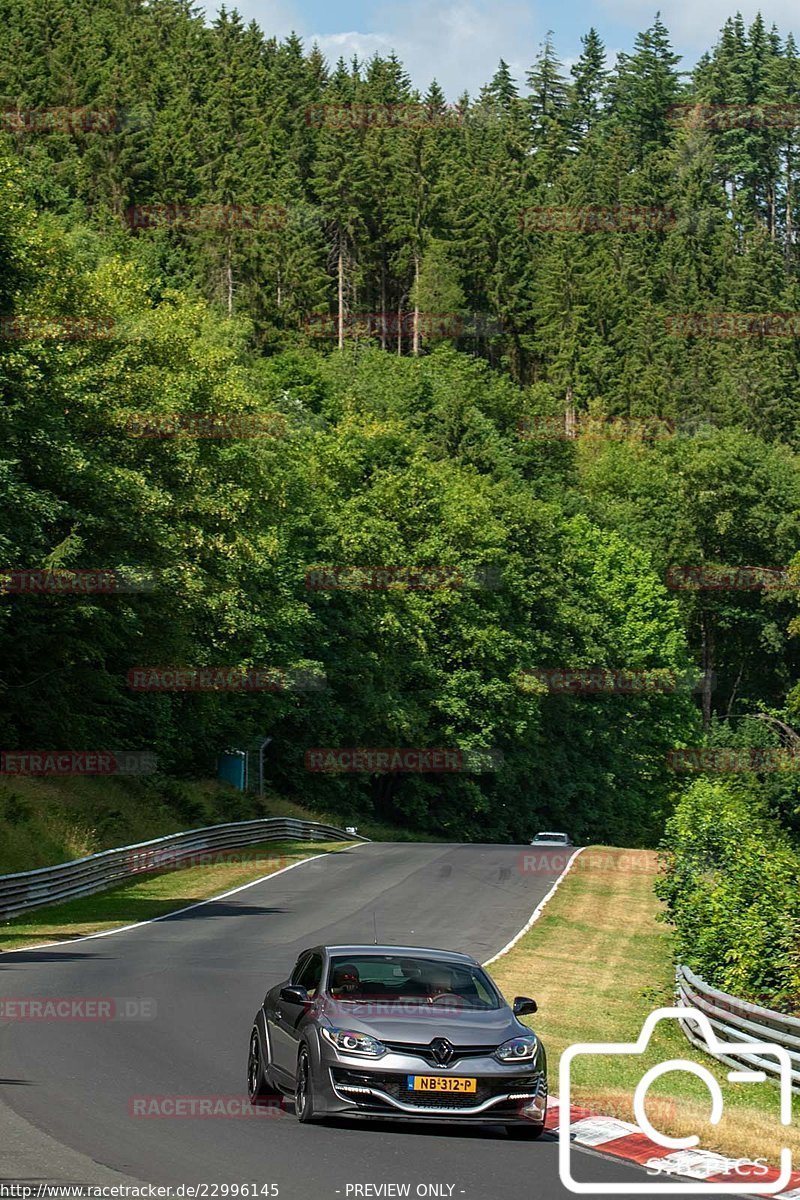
{"points": [[537, 912], [88, 937]]}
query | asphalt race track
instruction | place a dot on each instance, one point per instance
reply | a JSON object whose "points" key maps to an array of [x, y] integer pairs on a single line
{"points": [[203, 974]]}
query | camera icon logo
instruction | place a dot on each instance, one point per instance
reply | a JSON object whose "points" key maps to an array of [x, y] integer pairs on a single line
{"points": [[727, 1051]]}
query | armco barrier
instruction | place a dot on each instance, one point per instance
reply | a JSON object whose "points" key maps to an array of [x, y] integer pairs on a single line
{"points": [[736, 1020], [49, 885]]}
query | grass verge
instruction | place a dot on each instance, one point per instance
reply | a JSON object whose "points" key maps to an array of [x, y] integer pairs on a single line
{"points": [[49, 820], [156, 894], [598, 961]]}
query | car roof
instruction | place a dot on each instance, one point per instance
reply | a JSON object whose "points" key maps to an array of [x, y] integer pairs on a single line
{"points": [[417, 951]]}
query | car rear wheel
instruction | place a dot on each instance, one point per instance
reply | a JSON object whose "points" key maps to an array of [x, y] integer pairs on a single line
{"points": [[527, 1133], [259, 1089], [304, 1089]]}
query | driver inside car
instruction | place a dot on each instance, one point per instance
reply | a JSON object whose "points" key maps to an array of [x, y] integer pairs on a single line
{"points": [[440, 983], [345, 981]]}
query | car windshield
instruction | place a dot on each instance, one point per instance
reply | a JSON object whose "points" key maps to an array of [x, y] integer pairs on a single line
{"points": [[551, 837], [400, 978]]}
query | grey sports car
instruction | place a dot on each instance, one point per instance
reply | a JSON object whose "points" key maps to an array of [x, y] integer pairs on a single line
{"points": [[398, 1032]]}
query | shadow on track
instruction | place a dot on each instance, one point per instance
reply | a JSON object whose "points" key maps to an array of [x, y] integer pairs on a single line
{"points": [[424, 1129], [223, 909], [42, 956]]}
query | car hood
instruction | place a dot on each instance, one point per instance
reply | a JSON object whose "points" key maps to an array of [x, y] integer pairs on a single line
{"points": [[418, 1024]]}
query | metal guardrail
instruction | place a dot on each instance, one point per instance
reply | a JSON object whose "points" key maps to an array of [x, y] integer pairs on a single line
{"points": [[734, 1020], [29, 890]]}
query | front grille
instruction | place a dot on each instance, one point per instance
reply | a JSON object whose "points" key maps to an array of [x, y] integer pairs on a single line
{"points": [[423, 1051], [395, 1084]]}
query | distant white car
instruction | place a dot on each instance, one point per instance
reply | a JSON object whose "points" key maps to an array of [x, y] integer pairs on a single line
{"points": [[551, 839]]}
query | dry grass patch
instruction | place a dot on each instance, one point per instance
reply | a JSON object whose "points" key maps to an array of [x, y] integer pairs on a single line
{"points": [[598, 962]]}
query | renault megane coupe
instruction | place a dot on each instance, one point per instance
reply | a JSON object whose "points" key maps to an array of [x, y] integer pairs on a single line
{"points": [[398, 1032]]}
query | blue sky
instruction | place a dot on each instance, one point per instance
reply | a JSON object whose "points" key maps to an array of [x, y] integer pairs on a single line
{"points": [[459, 42]]}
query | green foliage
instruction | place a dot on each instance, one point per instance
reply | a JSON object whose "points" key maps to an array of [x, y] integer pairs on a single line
{"points": [[399, 450], [386, 461], [731, 893]]}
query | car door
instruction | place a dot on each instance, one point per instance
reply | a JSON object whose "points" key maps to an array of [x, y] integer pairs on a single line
{"points": [[287, 1017]]}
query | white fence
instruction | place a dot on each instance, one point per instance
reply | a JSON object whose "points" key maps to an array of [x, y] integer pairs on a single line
{"points": [[734, 1020], [49, 885]]}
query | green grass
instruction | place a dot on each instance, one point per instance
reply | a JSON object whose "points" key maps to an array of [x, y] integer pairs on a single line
{"points": [[156, 894], [598, 961], [48, 821], [376, 831]]}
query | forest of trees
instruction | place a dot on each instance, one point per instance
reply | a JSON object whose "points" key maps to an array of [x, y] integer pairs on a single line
{"points": [[414, 441]]}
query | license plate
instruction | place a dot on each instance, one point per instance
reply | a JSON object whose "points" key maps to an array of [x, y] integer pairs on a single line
{"points": [[441, 1083]]}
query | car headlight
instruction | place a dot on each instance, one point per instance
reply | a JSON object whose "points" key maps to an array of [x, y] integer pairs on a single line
{"points": [[519, 1049], [354, 1043]]}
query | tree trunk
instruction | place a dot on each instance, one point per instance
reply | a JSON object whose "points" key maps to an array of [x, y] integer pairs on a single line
{"points": [[415, 338], [229, 281], [707, 634], [789, 221], [341, 291], [384, 308], [569, 416], [773, 216]]}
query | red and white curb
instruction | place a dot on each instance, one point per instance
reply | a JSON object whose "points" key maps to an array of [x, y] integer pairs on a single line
{"points": [[621, 1139]]}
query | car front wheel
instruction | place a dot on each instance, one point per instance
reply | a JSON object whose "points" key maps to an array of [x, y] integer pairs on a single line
{"points": [[304, 1089]]}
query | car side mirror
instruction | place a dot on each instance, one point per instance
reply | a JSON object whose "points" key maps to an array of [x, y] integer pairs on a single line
{"points": [[293, 993], [523, 1006]]}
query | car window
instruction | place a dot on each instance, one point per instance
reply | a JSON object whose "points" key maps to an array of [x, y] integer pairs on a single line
{"points": [[310, 974], [414, 980], [299, 967]]}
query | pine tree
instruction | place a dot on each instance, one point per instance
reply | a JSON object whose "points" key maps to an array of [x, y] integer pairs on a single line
{"points": [[588, 87], [548, 106], [644, 88]]}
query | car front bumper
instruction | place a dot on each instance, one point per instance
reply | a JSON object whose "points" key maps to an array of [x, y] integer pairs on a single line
{"points": [[347, 1085]]}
